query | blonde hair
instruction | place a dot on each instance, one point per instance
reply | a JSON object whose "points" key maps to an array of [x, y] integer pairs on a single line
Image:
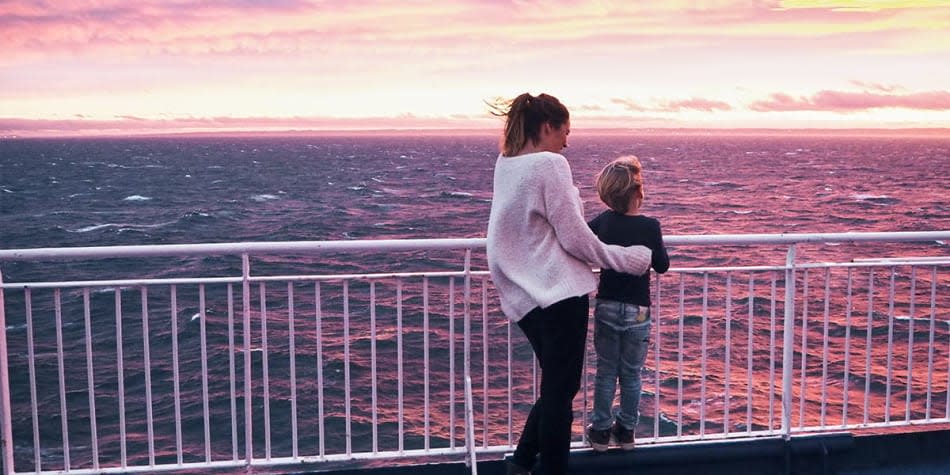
{"points": [[524, 116], [619, 182]]}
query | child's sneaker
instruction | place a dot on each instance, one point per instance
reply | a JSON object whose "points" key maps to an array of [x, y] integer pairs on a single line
{"points": [[624, 436], [599, 439]]}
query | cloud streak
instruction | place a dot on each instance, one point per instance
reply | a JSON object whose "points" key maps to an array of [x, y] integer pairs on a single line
{"points": [[678, 105], [845, 102], [140, 125]]}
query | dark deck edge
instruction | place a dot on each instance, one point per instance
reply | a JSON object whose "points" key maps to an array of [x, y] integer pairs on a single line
{"points": [[923, 452]]}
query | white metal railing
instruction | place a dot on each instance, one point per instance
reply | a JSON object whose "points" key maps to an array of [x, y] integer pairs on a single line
{"points": [[139, 373]]}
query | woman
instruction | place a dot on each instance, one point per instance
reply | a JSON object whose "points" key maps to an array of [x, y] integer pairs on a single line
{"points": [[540, 252]]}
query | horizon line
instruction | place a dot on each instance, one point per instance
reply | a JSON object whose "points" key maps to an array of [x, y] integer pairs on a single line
{"points": [[403, 131]]}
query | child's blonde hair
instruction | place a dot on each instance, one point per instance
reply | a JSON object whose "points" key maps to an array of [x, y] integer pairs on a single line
{"points": [[619, 182]]}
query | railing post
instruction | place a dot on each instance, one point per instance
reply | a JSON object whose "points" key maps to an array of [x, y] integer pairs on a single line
{"points": [[6, 439], [470, 427], [246, 301], [467, 344], [467, 314], [788, 335]]}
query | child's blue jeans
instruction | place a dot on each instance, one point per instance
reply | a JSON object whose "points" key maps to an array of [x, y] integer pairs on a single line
{"points": [[621, 339]]}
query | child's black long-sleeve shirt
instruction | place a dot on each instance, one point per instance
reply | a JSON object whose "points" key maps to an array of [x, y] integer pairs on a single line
{"points": [[616, 228]]}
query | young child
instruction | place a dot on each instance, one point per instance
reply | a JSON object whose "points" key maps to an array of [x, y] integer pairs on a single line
{"points": [[622, 311]]}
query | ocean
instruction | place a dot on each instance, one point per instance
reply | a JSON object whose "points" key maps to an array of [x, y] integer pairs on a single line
{"points": [[184, 189]]}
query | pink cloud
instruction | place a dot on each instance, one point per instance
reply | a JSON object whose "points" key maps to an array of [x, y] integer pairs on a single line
{"points": [[629, 105], [873, 86], [841, 101], [694, 103]]}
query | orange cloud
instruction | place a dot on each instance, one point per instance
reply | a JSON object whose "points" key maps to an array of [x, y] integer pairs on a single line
{"points": [[839, 101]]}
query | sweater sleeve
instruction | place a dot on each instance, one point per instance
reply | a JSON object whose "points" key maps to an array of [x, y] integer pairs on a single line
{"points": [[564, 211]]}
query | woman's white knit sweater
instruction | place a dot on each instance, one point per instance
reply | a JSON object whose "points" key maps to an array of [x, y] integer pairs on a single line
{"points": [[540, 249]]}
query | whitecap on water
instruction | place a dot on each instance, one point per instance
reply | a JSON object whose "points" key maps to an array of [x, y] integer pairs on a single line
{"points": [[121, 226], [136, 198], [264, 197], [880, 200], [92, 228]]}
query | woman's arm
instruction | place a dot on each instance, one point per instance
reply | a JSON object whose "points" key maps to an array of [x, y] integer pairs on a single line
{"points": [[565, 213]]}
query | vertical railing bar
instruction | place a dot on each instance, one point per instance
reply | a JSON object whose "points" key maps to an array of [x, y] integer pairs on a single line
{"points": [[318, 316], [510, 403], [772, 309], [372, 365], [910, 341], [824, 351], [90, 379], [485, 362], [727, 380], [5, 396], [930, 347], [176, 377], [206, 410], [702, 373], [121, 377], [246, 308], [291, 323], [585, 384], [788, 339], [31, 358], [846, 387], [470, 459], [467, 326], [148, 377], [425, 363], [804, 371], [265, 367], [399, 372], [890, 346], [656, 358], [231, 374], [749, 356], [946, 405], [535, 383], [679, 362], [870, 329], [57, 298], [346, 367], [451, 362]]}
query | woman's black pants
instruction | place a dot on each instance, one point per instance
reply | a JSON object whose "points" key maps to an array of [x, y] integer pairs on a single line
{"points": [[558, 335]]}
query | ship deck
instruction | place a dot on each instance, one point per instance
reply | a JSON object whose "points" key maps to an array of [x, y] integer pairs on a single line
{"points": [[911, 452]]}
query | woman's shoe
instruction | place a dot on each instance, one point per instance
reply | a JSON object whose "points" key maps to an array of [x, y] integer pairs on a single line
{"points": [[599, 439]]}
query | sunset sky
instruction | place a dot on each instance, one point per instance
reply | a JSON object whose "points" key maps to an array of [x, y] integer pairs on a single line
{"points": [[119, 66]]}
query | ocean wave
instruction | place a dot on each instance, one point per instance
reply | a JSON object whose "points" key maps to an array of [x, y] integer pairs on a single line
{"points": [[120, 226], [456, 194], [264, 197], [880, 200], [136, 198]]}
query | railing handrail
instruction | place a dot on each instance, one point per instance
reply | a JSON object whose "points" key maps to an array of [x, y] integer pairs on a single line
{"points": [[388, 245], [248, 249]]}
